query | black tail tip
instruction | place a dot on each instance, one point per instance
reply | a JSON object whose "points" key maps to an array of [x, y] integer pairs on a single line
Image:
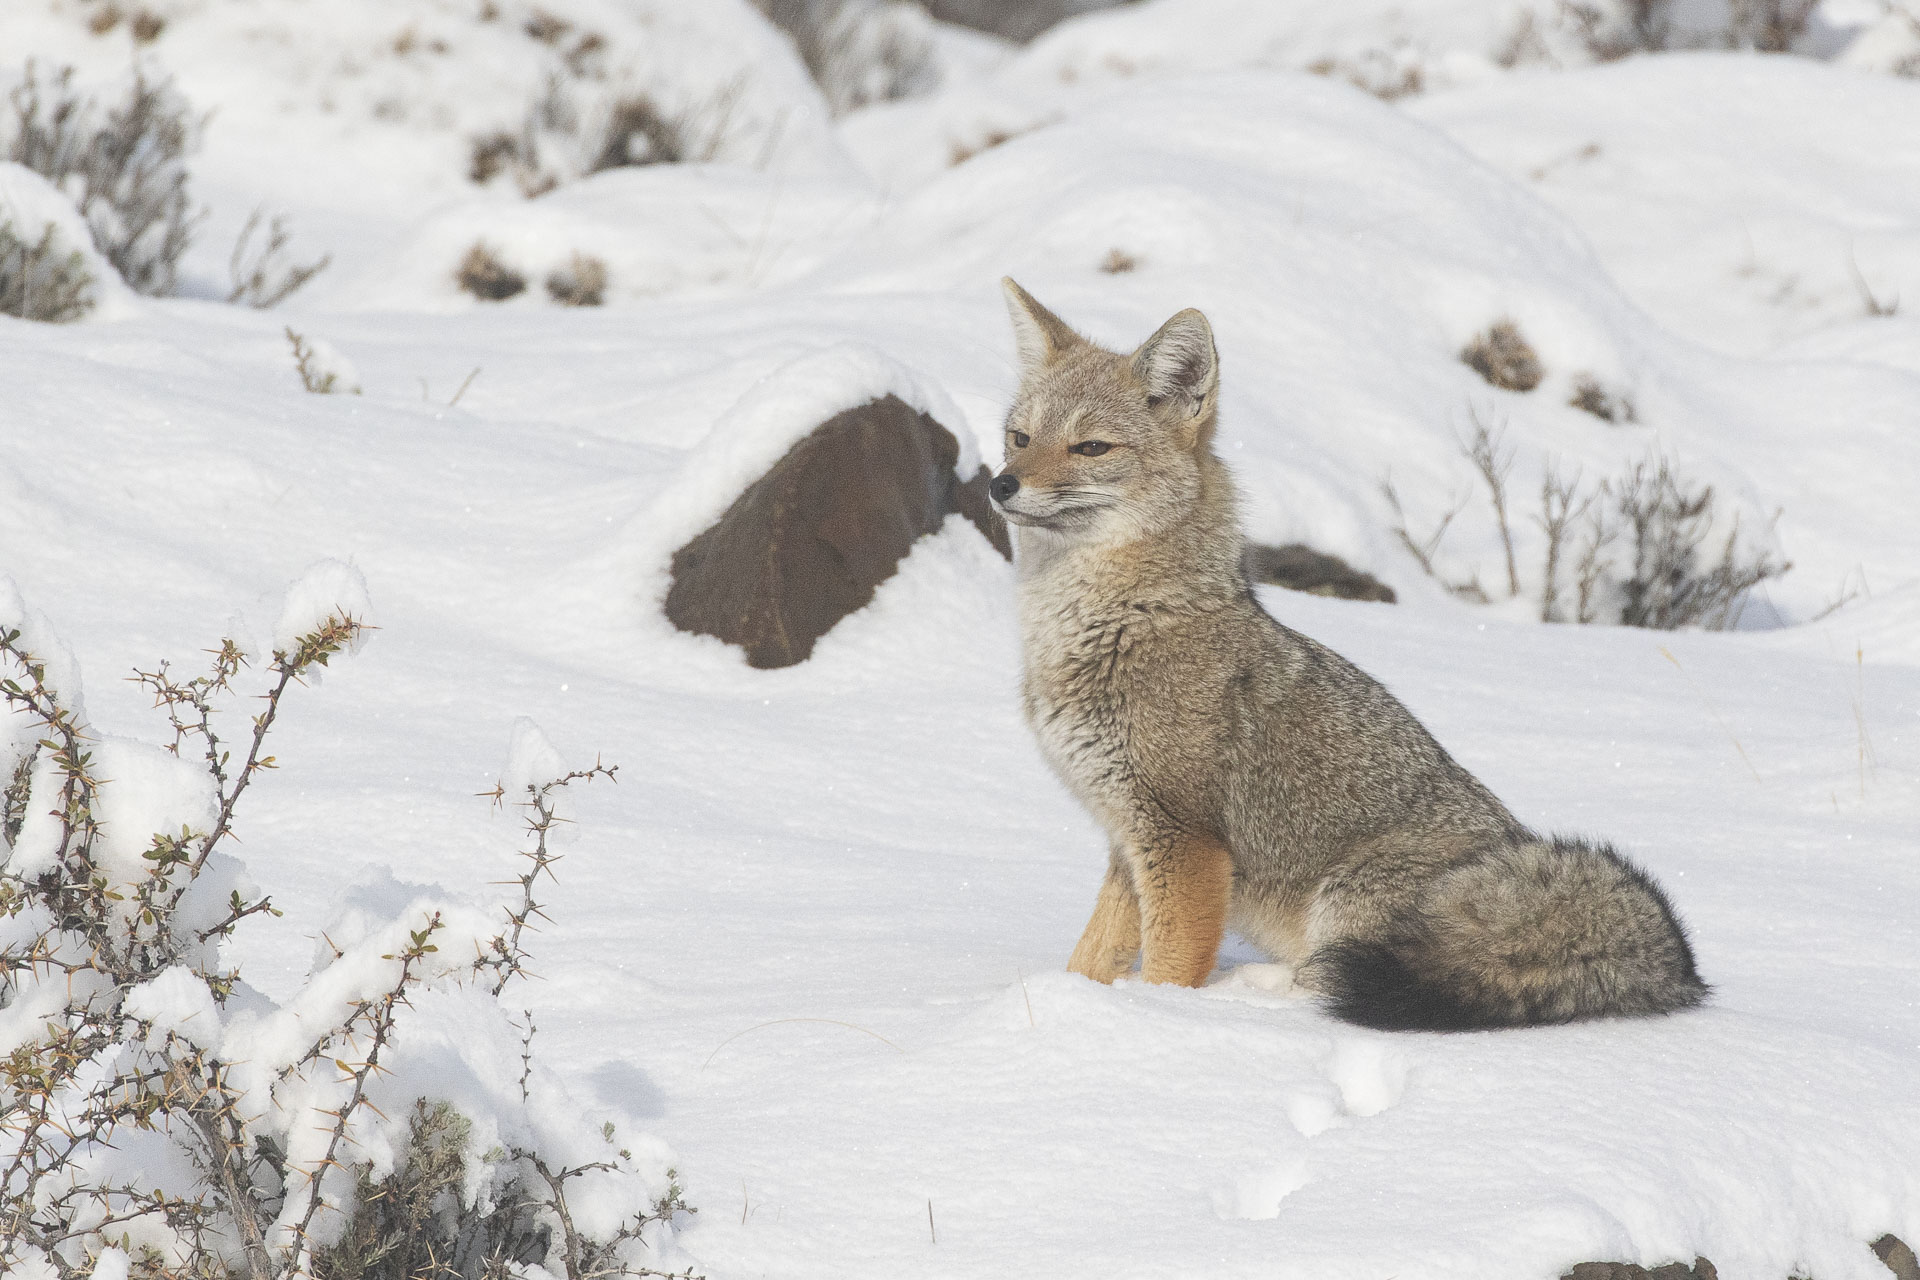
{"points": [[1370, 984]]}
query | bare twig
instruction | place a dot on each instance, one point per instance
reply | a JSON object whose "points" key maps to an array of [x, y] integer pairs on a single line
{"points": [[1485, 452], [260, 278]]}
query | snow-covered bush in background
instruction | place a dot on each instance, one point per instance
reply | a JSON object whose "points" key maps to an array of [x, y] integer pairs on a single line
{"points": [[125, 168], [859, 51], [662, 84], [163, 1118], [43, 272]]}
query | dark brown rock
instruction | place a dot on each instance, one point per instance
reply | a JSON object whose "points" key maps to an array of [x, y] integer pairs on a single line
{"points": [[807, 543], [1606, 1271], [1900, 1259], [1301, 568], [1700, 1270]]}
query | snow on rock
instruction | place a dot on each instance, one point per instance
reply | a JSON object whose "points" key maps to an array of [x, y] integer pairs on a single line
{"points": [[769, 417], [330, 589]]}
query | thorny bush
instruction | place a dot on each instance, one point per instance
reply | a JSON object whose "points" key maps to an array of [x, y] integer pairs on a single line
{"points": [[139, 1134]]}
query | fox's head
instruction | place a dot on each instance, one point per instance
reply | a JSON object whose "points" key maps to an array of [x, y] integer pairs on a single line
{"points": [[1100, 446]]}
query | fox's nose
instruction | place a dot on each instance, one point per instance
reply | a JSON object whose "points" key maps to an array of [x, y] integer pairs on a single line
{"points": [[1004, 486]]}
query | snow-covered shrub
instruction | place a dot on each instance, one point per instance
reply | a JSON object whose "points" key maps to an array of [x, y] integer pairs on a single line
{"points": [[49, 268], [126, 172], [859, 51], [42, 278], [1613, 29], [322, 369], [159, 1117]]}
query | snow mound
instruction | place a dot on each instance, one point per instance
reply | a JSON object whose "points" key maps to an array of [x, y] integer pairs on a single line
{"points": [[1394, 50], [1742, 200], [330, 589], [1346, 255]]}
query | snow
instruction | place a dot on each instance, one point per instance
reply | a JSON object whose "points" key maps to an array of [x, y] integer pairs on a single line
{"points": [[145, 790], [177, 1002], [329, 591], [1689, 176], [809, 950]]}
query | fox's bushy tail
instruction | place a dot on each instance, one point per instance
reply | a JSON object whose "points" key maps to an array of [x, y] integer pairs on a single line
{"points": [[1539, 931]]}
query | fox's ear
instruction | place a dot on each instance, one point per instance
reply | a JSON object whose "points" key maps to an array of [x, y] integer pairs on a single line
{"points": [[1039, 334], [1178, 365]]}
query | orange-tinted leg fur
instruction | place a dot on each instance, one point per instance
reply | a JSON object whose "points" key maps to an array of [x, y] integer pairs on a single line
{"points": [[1184, 894], [1112, 938]]}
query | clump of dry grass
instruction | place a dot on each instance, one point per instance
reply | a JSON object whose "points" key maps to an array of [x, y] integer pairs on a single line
{"points": [[482, 274], [959, 153], [1504, 358], [1118, 261], [1590, 394], [1377, 72], [581, 283], [638, 131]]}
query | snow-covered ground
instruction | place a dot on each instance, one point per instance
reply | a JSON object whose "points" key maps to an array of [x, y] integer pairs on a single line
{"points": [[814, 938]]}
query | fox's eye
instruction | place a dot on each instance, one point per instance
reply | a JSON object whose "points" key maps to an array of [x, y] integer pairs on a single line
{"points": [[1090, 448], [1020, 439]]}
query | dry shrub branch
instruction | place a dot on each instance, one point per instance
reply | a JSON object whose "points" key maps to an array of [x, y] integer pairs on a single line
{"points": [[1640, 548]]}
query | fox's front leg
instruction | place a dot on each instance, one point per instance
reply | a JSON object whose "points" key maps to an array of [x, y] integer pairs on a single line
{"points": [[1185, 884], [1112, 938]]}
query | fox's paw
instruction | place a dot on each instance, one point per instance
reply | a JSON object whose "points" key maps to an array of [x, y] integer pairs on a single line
{"points": [[1257, 981]]}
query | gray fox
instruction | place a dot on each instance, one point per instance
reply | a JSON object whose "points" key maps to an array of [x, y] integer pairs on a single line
{"points": [[1250, 778]]}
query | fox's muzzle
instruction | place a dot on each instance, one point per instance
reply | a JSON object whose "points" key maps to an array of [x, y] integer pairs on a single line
{"points": [[1004, 486]]}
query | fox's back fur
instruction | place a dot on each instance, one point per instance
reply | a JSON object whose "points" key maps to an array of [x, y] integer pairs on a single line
{"points": [[1249, 777]]}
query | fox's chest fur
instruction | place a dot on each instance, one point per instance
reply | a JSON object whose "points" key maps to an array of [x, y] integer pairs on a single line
{"points": [[1108, 694], [1077, 698]]}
